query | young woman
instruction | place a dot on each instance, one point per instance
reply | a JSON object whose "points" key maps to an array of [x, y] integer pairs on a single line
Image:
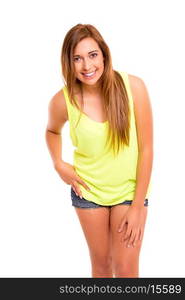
{"points": [[110, 118]]}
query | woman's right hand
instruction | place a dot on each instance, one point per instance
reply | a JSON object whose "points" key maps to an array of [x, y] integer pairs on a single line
{"points": [[68, 174]]}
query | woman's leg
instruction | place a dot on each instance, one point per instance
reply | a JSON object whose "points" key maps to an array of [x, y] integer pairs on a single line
{"points": [[125, 259], [95, 225]]}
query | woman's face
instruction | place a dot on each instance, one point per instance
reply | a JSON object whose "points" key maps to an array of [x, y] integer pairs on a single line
{"points": [[88, 61]]}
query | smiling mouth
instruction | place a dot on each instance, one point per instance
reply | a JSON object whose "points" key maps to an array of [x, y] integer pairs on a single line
{"points": [[90, 74]]}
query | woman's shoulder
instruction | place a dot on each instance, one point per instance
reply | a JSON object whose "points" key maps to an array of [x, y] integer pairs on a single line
{"points": [[138, 89], [136, 83], [133, 79], [58, 104]]}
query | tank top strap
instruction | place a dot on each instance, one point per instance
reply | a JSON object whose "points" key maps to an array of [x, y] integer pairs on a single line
{"points": [[70, 108], [73, 115]]}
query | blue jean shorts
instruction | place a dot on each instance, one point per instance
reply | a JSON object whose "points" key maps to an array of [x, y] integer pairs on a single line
{"points": [[83, 203]]}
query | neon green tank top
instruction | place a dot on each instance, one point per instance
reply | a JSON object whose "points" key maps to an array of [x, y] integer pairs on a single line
{"points": [[111, 179]]}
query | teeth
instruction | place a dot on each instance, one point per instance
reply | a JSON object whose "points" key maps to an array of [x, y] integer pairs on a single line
{"points": [[89, 74]]}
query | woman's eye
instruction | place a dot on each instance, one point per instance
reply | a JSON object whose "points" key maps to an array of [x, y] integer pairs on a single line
{"points": [[94, 54], [76, 58]]}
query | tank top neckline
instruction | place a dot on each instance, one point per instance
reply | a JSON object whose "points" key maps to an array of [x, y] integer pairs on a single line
{"points": [[102, 124], [91, 120]]}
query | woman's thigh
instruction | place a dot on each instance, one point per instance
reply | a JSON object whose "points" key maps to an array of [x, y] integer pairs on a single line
{"points": [[95, 225], [124, 257]]}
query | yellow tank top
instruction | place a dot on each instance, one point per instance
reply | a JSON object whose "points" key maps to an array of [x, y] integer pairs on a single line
{"points": [[111, 179]]}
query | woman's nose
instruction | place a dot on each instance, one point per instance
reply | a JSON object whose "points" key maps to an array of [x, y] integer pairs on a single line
{"points": [[86, 64]]}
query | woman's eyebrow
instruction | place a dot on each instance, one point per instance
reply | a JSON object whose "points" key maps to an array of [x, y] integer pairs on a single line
{"points": [[88, 52]]}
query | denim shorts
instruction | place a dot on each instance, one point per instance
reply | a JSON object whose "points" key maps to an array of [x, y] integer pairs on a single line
{"points": [[83, 203]]}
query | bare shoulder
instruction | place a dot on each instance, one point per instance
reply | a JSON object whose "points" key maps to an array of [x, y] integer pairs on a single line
{"points": [[57, 112], [137, 84], [138, 89], [142, 110], [58, 105]]}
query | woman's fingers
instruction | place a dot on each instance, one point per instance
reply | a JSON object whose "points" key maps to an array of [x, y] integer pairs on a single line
{"points": [[74, 189], [77, 189], [82, 183], [121, 226], [136, 239], [141, 234], [131, 239], [128, 233]]}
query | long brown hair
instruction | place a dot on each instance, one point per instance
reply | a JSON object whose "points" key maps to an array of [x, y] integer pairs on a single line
{"points": [[114, 94]]}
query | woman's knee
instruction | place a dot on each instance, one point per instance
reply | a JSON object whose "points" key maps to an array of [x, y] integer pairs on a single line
{"points": [[101, 262], [126, 269]]}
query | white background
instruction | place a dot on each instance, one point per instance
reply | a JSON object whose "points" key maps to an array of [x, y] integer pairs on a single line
{"points": [[40, 234]]}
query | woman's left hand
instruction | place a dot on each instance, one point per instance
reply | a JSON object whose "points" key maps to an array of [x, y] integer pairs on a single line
{"points": [[134, 220]]}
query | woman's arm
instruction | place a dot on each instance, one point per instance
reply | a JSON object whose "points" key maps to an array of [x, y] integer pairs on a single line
{"points": [[135, 218], [144, 127], [57, 116]]}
